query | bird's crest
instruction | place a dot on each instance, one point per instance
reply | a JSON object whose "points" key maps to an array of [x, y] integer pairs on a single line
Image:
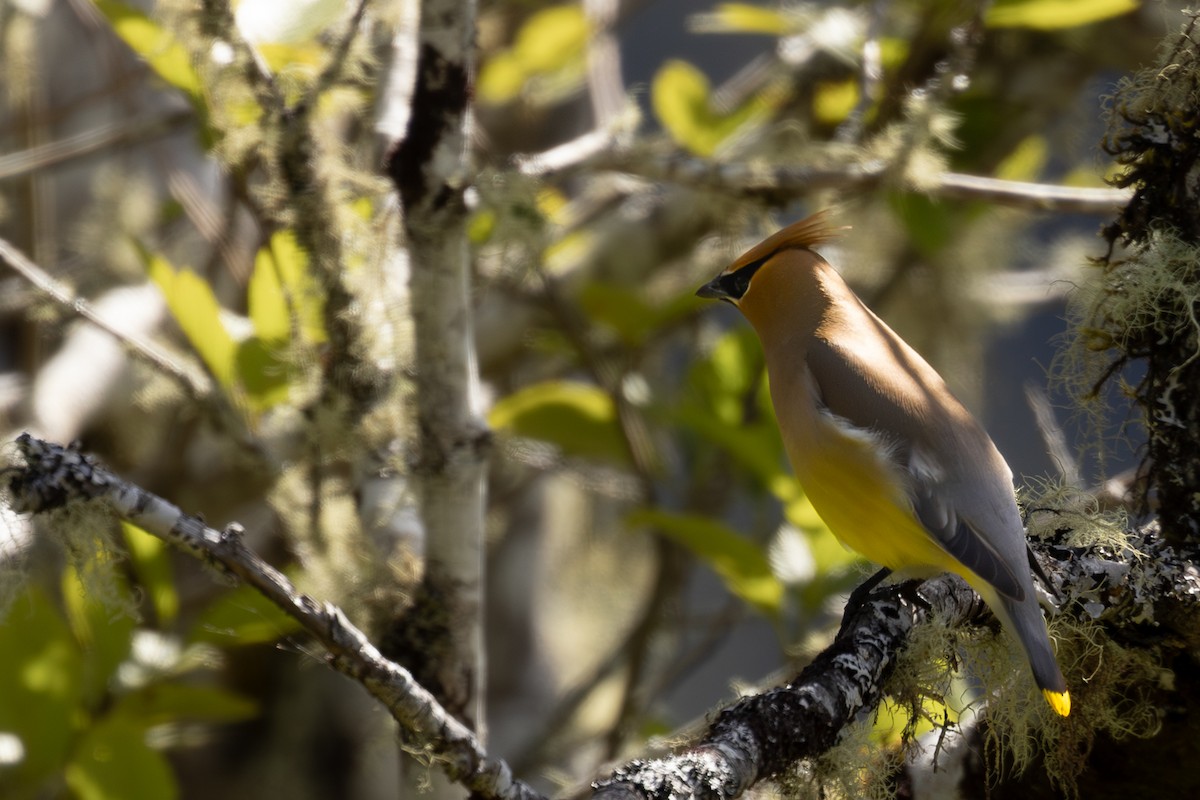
{"points": [[806, 233]]}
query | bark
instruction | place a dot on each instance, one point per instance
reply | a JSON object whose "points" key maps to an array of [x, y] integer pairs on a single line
{"points": [[430, 169], [53, 477]]}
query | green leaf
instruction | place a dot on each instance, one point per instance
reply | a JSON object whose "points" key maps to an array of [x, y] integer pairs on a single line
{"points": [[680, 97], [242, 617], [551, 42], [165, 55], [113, 762], [550, 38], [1054, 14], [195, 308], [732, 369], [577, 417], [929, 223], [163, 703], [283, 295], [834, 100], [263, 372], [626, 312], [151, 562], [741, 564], [744, 18], [100, 612], [1026, 161], [41, 673]]}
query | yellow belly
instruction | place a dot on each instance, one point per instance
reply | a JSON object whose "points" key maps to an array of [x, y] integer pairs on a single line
{"points": [[863, 499]]}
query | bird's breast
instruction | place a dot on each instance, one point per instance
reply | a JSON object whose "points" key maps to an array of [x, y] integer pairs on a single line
{"points": [[860, 492]]}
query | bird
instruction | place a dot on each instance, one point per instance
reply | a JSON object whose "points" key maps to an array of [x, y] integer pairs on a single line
{"points": [[897, 468]]}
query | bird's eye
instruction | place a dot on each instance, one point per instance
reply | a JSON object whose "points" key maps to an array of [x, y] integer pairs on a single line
{"points": [[741, 281]]}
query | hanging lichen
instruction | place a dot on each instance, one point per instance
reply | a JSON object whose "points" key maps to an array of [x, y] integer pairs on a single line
{"points": [[1144, 308]]}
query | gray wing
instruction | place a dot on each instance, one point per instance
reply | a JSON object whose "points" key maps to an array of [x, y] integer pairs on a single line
{"points": [[933, 504], [957, 477]]}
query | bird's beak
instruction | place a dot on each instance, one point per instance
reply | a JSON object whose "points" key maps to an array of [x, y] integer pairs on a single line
{"points": [[712, 290]]}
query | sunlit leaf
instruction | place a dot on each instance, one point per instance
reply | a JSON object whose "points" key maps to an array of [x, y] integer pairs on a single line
{"points": [[741, 564], [551, 37], [1054, 14], [102, 625], [577, 417], [1026, 161], [161, 703], [41, 673], [928, 222], [744, 18], [833, 101], [165, 55], [242, 617], [680, 95], [733, 368], [150, 558], [282, 289], [113, 762], [263, 372], [195, 308], [551, 42], [501, 78], [625, 310]]}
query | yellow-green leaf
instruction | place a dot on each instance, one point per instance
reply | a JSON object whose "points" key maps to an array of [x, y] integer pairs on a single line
{"points": [[834, 100], [41, 671], [1026, 161], [100, 607], [628, 313], [151, 562], [552, 37], [162, 703], [165, 55], [577, 417], [113, 762], [242, 617], [680, 97], [744, 18], [283, 290], [195, 308], [1054, 14], [264, 372], [551, 42], [741, 564]]}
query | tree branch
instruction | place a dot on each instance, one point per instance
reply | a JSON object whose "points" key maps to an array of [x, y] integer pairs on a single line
{"points": [[780, 185], [430, 170], [53, 476], [763, 735]]}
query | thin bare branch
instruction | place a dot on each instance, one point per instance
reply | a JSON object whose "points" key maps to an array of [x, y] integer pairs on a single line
{"points": [[197, 386], [93, 140], [781, 185]]}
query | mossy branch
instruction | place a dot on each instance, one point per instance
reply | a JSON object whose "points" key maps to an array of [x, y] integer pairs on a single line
{"points": [[53, 477], [1113, 587]]}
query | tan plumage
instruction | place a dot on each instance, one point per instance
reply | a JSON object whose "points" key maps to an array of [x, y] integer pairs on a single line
{"points": [[895, 465]]}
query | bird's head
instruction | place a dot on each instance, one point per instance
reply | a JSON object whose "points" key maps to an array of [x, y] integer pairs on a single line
{"points": [[734, 283]]}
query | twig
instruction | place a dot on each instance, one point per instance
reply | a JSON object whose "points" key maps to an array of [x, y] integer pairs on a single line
{"points": [[197, 386], [763, 735], [54, 476], [780, 185], [336, 60], [93, 140]]}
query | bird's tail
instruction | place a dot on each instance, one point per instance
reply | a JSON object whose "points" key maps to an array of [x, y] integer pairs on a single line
{"points": [[1024, 619]]}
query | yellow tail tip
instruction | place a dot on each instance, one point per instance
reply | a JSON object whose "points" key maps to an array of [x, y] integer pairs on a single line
{"points": [[1059, 701]]}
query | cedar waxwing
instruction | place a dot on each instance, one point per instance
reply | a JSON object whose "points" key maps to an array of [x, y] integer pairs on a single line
{"points": [[895, 465]]}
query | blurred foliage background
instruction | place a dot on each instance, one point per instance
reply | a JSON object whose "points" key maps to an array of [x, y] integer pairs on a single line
{"points": [[647, 548]]}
